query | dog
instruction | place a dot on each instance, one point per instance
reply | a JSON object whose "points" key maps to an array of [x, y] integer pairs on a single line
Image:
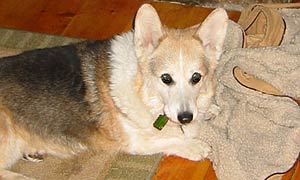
{"points": [[105, 95]]}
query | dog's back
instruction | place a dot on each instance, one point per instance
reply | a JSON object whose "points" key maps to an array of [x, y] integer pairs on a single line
{"points": [[44, 88], [48, 97]]}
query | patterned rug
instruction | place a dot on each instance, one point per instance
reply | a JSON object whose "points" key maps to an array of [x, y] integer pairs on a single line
{"points": [[86, 166]]}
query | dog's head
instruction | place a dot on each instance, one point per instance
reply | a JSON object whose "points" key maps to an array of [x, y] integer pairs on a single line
{"points": [[177, 66]]}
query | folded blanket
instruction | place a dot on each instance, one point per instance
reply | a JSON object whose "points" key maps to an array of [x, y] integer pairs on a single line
{"points": [[255, 134]]}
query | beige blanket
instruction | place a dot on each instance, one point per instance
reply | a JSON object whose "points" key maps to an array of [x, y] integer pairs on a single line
{"points": [[256, 134]]}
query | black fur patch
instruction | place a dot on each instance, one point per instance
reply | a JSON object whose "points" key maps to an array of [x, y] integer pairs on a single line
{"points": [[45, 90]]}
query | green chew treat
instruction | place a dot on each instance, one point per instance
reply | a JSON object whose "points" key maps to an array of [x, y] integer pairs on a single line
{"points": [[160, 122]]}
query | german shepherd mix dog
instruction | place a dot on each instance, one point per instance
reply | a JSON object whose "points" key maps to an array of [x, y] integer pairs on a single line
{"points": [[105, 95]]}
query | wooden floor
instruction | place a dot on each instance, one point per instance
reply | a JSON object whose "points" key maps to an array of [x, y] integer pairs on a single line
{"points": [[100, 20]]}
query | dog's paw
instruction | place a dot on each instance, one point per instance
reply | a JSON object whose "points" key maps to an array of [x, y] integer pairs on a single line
{"points": [[34, 157], [212, 112], [193, 149]]}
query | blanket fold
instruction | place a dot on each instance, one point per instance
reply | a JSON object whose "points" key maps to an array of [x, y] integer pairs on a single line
{"points": [[255, 134]]}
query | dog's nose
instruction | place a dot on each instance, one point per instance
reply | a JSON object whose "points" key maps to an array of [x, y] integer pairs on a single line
{"points": [[185, 117]]}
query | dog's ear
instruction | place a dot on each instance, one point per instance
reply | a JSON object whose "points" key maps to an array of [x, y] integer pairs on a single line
{"points": [[147, 30], [212, 33]]}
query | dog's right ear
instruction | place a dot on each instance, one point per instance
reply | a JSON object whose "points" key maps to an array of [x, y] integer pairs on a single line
{"points": [[212, 33], [148, 30]]}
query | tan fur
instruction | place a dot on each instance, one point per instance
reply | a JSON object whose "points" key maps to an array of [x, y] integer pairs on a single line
{"points": [[110, 134]]}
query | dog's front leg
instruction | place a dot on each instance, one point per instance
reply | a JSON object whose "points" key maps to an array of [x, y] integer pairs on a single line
{"points": [[170, 141], [192, 149]]}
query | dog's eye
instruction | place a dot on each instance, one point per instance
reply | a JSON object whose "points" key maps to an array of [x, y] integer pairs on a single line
{"points": [[196, 77], [166, 78]]}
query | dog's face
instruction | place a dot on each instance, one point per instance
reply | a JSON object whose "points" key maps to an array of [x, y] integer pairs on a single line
{"points": [[178, 71], [177, 66]]}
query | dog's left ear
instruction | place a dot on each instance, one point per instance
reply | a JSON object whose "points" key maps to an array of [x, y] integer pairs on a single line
{"points": [[212, 33], [148, 30]]}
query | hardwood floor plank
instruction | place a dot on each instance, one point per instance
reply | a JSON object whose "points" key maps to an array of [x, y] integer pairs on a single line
{"points": [[19, 13], [175, 168], [179, 16], [211, 175], [92, 19], [57, 15], [103, 19], [43, 16]]}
